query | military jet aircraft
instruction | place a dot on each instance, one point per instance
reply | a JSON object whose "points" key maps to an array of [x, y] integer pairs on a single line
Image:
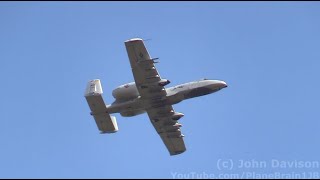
{"points": [[147, 94]]}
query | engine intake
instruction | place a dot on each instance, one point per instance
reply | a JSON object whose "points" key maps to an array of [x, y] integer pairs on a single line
{"points": [[126, 92]]}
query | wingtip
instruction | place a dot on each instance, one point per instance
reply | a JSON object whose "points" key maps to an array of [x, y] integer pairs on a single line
{"points": [[134, 39], [177, 152]]}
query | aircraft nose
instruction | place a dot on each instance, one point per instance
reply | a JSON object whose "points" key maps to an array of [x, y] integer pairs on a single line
{"points": [[224, 84], [217, 84]]}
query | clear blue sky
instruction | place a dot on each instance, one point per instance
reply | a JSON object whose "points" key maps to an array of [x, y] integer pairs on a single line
{"points": [[267, 52]]}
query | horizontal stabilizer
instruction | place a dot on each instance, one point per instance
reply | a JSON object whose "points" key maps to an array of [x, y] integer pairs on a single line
{"points": [[93, 95]]}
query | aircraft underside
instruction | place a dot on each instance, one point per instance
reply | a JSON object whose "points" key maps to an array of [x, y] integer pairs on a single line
{"points": [[147, 95]]}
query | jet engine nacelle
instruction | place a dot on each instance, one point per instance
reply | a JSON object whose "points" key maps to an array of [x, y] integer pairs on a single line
{"points": [[126, 92], [176, 116], [129, 91]]}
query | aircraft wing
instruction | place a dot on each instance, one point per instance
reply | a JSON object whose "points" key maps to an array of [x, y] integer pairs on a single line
{"points": [[168, 129], [144, 72], [147, 80]]}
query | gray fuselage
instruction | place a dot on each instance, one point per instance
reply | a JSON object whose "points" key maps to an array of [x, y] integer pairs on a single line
{"points": [[174, 95]]}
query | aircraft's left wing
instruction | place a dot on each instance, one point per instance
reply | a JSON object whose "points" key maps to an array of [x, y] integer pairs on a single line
{"points": [[167, 128], [144, 72]]}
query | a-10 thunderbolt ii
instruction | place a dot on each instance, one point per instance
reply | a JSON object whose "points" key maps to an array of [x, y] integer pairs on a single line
{"points": [[147, 94]]}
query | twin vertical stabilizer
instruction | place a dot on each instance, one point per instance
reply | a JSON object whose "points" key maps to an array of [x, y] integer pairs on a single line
{"points": [[93, 95]]}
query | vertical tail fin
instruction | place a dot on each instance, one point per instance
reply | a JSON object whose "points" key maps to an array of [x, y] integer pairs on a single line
{"points": [[93, 95]]}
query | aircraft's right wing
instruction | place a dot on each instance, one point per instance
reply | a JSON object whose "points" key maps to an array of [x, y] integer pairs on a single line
{"points": [[144, 72], [168, 129]]}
